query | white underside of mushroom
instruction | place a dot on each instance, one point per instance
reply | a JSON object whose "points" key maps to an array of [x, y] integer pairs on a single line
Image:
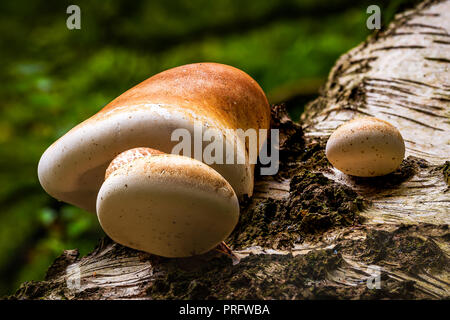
{"points": [[73, 168], [167, 205]]}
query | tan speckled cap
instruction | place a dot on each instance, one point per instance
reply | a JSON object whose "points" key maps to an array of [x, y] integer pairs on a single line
{"points": [[165, 204], [366, 147], [220, 97]]}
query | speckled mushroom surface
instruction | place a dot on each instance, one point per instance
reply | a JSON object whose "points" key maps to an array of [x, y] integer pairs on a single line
{"points": [[128, 156], [217, 96], [168, 205], [366, 147]]}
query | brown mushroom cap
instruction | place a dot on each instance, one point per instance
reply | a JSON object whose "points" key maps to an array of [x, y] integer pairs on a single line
{"points": [[366, 147], [168, 205], [219, 96]]}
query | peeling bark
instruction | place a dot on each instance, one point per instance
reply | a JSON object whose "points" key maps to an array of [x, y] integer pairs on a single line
{"points": [[310, 231]]}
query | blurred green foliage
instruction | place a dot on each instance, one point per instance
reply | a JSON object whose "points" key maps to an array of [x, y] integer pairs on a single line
{"points": [[53, 78]]}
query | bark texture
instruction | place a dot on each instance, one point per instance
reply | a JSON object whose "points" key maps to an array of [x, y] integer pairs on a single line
{"points": [[310, 231]]}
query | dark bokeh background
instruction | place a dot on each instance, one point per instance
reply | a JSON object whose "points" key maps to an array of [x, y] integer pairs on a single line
{"points": [[53, 78]]}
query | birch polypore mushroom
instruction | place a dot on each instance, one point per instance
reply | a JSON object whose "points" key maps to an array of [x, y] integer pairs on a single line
{"points": [[366, 147], [146, 191], [166, 204]]}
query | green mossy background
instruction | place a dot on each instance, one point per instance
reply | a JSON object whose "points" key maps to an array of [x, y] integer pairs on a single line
{"points": [[53, 78]]}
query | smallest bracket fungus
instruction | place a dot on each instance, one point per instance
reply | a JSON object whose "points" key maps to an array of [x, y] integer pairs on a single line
{"points": [[366, 147], [169, 205]]}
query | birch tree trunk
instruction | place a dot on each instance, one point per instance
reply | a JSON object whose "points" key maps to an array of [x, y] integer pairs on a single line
{"points": [[310, 231]]}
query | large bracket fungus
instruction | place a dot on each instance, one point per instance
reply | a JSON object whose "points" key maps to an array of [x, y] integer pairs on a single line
{"points": [[162, 203], [366, 147]]}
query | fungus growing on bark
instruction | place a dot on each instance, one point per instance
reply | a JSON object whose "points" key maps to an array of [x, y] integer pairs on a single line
{"points": [[366, 147], [149, 190]]}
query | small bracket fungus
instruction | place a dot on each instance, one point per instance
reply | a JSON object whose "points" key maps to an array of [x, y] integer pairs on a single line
{"points": [[149, 199], [366, 147]]}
